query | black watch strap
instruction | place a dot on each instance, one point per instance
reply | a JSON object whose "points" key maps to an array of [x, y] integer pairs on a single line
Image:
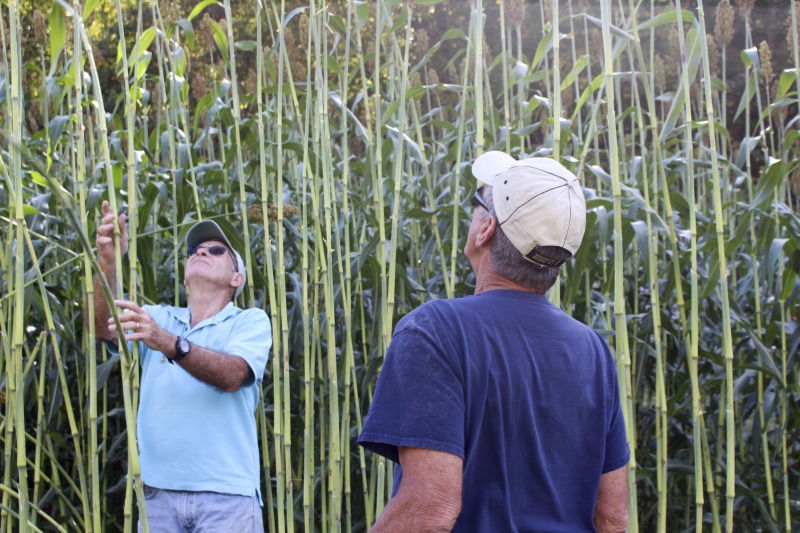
{"points": [[182, 348]]}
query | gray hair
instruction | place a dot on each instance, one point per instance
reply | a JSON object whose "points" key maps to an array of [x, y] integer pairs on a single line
{"points": [[508, 262]]}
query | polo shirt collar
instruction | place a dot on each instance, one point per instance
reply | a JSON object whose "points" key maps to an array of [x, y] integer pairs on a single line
{"points": [[183, 314]]}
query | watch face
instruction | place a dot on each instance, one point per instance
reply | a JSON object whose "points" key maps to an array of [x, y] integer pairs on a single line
{"points": [[184, 346]]}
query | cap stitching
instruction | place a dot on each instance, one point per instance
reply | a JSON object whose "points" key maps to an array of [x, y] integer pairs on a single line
{"points": [[529, 200]]}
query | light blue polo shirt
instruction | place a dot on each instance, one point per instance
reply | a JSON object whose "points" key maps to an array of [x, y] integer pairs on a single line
{"points": [[193, 436]]}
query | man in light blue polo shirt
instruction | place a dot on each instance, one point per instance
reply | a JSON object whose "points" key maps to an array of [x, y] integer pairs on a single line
{"points": [[201, 370]]}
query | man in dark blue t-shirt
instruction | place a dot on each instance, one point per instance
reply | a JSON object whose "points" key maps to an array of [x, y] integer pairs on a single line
{"points": [[502, 411]]}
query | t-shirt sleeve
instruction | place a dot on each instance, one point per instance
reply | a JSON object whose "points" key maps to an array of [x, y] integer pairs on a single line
{"points": [[251, 339], [419, 400], [617, 450]]}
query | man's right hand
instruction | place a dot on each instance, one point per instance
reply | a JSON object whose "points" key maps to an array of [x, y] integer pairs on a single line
{"points": [[105, 237], [108, 264]]}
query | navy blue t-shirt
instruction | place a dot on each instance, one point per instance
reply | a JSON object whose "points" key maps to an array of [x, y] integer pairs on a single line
{"points": [[527, 396]]}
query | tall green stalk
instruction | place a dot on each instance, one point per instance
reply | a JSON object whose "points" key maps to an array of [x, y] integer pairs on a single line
{"points": [[621, 328]]}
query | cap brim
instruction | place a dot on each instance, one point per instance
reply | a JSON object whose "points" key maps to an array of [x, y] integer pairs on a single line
{"points": [[206, 230], [486, 167]]}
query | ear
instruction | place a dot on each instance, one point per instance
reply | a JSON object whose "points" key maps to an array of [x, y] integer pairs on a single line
{"points": [[237, 279], [485, 231]]}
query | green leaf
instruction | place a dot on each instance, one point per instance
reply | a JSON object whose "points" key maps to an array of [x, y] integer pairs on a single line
{"points": [[29, 210], [401, 21], [88, 8], [580, 64], [38, 178], [247, 46], [338, 24], [768, 183], [667, 17], [188, 30], [749, 58], [747, 94], [58, 34], [200, 7], [544, 46], [597, 82], [222, 42], [116, 172], [787, 78]]}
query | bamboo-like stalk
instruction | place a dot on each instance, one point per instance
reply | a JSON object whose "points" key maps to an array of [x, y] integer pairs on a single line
{"points": [[621, 331], [15, 413], [727, 342], [694, 290], [662, 450], [268, 267]]}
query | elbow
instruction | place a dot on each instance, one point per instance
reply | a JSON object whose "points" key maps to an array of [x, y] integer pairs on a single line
{"points": [[449, 517], [441, 517], [239, 380], [611, 523]]}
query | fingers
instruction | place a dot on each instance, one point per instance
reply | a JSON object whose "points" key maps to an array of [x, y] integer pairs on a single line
{"points": [[134, 318], [127, 304], [105, 233]]}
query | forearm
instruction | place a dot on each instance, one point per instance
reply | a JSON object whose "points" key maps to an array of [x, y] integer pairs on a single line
{"points": [[611, 507], [225, 372], [101, 310]]}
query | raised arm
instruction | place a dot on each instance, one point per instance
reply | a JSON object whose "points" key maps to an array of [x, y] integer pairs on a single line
{"points": [[429, 496], [611, 507], [108, 264], [223, 371]]}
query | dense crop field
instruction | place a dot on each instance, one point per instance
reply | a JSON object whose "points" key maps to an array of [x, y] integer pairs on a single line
{"points": [[334, 142]]}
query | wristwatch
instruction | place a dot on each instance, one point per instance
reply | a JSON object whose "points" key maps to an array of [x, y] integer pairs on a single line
{"points": [[182, 348]]}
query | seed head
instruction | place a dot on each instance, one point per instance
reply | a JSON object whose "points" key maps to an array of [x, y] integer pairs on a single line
{"points": [[713, 55], [250, 83], [723, 27], [790, 39], [487, 51], [40, 28], [170, 11], [33, 117], [658, 70], [515, 12], [205, 35], [794, 184], [745, 8], [433, 76], [303, 29], [765, 57], [421, 43], [199, 86], [256, 213]]}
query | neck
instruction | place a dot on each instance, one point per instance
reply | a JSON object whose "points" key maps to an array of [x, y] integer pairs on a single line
{"points": [[487, 279], [492, 281], [204, 304]]}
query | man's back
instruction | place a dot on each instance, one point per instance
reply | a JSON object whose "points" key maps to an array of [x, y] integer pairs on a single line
{"points": [[524, 394]]}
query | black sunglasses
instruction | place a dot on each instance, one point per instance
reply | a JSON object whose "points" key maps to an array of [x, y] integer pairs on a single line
{"points": [[214, 249], [478, 200]]}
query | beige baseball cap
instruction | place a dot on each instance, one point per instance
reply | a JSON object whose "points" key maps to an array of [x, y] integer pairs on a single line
{"points": [[208, 230], [538, 202]]}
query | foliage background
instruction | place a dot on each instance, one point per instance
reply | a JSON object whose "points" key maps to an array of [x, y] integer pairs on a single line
{"points": [[334, 141]]}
